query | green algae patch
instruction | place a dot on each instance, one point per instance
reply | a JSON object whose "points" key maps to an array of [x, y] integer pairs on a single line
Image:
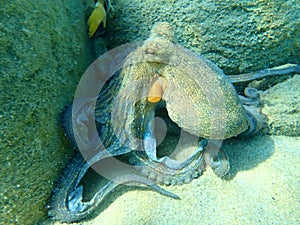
{"points": [[239, 36], [43, 53]]}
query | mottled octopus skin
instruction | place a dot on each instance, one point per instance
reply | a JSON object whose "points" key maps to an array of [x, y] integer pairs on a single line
{"points": [[195, 88]]}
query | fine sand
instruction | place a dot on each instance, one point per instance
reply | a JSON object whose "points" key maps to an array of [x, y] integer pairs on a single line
{"points": [[262, 188]]}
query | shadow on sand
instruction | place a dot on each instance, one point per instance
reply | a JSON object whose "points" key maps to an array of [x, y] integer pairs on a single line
{"points": [[245, 154]]}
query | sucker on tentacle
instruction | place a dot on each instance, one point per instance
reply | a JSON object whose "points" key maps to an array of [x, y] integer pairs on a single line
{"points": [[167, 176]]}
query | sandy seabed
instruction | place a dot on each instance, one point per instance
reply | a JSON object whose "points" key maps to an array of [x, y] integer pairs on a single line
{"points": [[262, 188]]}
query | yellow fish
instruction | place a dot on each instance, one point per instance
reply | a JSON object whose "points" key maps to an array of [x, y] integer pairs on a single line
{"points": [[97, 17]]}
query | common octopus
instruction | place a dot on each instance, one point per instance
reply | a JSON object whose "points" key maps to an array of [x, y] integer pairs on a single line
{"points": [[156, 79]]}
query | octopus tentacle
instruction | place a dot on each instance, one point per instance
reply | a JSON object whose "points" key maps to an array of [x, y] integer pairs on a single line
{"points": [[170, 175], [256, 120], [66, 201], [220, 164], [252, 97], [150, 148], [216, 158], [279, 70]]}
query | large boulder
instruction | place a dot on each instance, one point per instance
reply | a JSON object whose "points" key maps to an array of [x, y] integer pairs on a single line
{"points": [[43, 54], [239, 36]]}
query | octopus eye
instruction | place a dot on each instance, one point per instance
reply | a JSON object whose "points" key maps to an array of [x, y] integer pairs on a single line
{"points": [[164, 36], [150, 51]]}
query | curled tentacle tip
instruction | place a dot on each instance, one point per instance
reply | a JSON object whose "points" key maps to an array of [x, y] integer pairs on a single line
{"points": [[220, 164]]}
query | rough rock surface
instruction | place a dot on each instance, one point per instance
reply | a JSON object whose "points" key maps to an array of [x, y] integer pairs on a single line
{"points": [[239, 36], [43, 53], [282, 108]]}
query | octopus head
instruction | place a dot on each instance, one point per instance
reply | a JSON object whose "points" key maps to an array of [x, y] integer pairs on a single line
{"points": [[162, 30]]}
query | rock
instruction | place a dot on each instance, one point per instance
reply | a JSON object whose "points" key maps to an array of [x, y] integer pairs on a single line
{"points": [[282, 108], [239, 36], [43, 55]]}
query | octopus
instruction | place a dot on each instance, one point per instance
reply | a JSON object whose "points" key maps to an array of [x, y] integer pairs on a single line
{"points": [[158, 78]]}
